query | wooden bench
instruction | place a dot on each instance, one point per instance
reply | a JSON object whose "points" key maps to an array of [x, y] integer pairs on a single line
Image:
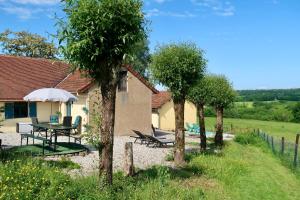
{"points": [[28, 135]]}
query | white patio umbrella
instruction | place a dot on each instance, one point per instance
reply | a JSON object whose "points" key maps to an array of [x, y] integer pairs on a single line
{"points": [[51, 95]]}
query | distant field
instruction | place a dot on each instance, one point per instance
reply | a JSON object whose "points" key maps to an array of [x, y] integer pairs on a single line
{"points": [[248, 104], [278, 129]]}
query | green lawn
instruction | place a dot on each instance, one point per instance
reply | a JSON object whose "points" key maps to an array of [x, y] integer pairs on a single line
{"points": [[278, 129], [237, 172]]}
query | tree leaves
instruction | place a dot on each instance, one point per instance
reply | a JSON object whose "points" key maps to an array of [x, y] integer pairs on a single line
{"points": [[106, 31], [27, 44], [178, 66]]}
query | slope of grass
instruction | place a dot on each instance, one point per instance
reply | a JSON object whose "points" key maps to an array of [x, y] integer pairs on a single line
{"points": [[247, 172], [277, 129], [239, 171]]}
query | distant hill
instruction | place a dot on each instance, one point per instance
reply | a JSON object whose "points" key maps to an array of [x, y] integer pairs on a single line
{"points": [[269, 95]]}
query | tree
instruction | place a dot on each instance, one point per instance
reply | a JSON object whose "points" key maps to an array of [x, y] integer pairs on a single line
{"points": [[296, 112], [222, 95], [98, 35], [200, 95], [27, 44], [141, 58], [178, 66]]}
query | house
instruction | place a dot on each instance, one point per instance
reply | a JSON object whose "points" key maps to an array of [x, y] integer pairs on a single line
{"points": [[21, 75], [163, 115]]}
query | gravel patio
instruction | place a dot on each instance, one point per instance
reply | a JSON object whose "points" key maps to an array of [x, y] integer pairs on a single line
{"points": [[144, 157]]}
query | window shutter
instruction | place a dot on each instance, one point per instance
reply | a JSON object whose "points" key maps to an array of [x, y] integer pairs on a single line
{"points": [[9, 110], [69, 112], [32, 109]]}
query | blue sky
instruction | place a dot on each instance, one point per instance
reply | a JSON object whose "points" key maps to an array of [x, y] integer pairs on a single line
{"points": [[254, 42]]}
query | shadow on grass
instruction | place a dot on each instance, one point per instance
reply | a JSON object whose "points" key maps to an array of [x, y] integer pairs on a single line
{"points": [[164, 172], [62, 148]]}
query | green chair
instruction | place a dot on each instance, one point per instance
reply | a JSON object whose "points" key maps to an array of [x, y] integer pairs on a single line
{"points": [[189, 128], [77, 129], [54, 119], [196, 128]]}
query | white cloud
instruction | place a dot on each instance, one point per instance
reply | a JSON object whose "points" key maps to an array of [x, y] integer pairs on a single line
{"points": [[27, 9], [22, 13], [218, 7], [156, 12], [161, 1], [37, 2]]}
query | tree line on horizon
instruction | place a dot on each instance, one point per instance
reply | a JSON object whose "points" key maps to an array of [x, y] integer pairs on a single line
{"points": [[269, 95]]}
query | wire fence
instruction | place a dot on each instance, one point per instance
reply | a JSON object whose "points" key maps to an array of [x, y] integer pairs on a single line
{"points": [[286, 150]]}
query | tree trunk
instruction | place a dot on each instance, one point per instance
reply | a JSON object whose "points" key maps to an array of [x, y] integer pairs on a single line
{"points": [[108, 94], [201, 118], [219, 126], [179, 150], [128, 160]]}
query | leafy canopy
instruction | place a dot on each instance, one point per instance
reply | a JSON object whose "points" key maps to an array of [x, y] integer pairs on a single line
{"points": [[222, 92], [178, 66], [201, 92], [99, 34], [27, 44], [141, 58]]}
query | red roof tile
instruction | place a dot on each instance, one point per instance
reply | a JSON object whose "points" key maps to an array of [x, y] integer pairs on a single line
{"points": [[160, 99], [77, 83], [74, 82], [21, 75]]}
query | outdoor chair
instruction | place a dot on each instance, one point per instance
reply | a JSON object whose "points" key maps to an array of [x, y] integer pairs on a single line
{"points": [[189, 128], [77, 129], [34, 121], [67, 121], [54, 119], [140, 136], [155, 133], [196, 128], [157, 142]]}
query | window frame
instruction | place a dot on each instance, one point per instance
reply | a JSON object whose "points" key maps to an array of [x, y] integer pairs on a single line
{"points": [[123, 81], [10, 110]]}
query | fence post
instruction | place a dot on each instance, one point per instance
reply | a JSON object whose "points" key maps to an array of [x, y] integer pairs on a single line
{"points": [[296, 150], [231, 127], [272, 143], [128, 164], [267, 139], [282, 145]]}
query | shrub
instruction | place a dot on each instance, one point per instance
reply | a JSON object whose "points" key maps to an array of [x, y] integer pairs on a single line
{"points": [[247, 138], [31, 179]]}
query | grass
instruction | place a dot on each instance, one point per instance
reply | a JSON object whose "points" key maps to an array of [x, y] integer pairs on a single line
{"points": [[244, 169], [277, 129]]}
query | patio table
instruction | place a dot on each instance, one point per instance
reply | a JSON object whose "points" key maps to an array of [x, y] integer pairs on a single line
{"points": [[55, 129]]}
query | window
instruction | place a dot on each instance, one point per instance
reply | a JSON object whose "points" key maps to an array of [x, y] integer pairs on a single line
{"points": [[122, 85], [20, 110]]}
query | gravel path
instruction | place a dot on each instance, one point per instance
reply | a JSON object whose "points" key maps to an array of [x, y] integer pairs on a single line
{"points": [[144, 157]]}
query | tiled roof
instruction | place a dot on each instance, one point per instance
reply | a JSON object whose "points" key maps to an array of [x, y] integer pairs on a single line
{"points": [[160, 99], [74, 82], [21, 75]]}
